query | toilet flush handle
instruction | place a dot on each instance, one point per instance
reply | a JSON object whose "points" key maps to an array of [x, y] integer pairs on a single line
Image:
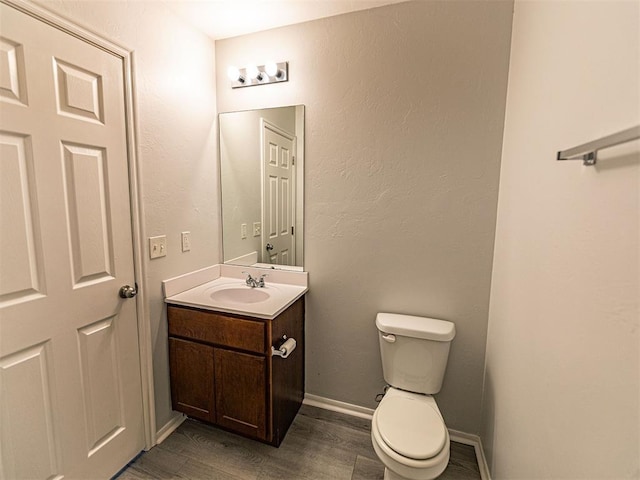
{"points": [[389, 337]]}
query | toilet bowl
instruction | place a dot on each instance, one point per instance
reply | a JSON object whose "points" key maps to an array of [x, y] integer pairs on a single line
{"points": [[409, 436]]}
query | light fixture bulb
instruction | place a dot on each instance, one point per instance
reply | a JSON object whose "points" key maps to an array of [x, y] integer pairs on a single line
{"points": [[234, 74], [252, 71], [271, 69]]}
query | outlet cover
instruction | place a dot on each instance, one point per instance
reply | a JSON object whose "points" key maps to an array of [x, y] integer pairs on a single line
{"points": [[186, 241], [257, 229], [158, 246]]}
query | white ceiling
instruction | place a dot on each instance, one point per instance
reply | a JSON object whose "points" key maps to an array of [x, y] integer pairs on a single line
{"points": [[230, 18]]}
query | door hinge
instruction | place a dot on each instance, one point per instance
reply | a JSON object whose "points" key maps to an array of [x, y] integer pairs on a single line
{"points": [[293, 160], [291, 230]]}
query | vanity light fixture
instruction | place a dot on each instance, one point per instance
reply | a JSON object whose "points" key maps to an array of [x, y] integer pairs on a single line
{"points": [[258, 74]]}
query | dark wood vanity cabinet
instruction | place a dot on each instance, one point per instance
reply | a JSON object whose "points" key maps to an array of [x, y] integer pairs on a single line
{"points": [[222, 370]]}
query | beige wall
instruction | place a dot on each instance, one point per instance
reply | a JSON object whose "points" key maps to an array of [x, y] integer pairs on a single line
{"points": [[562, 372], [404, 118], [175, 97]]}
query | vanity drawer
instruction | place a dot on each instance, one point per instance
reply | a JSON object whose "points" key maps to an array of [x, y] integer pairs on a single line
{"points": [[217, 329]]}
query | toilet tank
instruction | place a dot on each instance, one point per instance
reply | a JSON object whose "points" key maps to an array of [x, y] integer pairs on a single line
{"points": [[414, 351]]}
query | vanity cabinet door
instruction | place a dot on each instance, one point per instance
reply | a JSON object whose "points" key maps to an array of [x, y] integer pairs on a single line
{"points": [[241, 399], [192, 385]]}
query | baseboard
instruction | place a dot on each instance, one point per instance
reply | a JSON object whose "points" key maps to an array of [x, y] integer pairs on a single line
{"points": [[485, 473], [169, 427], [363, 412], [476, 443], [337, 406]]}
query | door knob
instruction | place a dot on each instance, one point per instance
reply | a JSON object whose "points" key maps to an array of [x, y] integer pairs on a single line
{"points": [[128, 291], [269, 247]]}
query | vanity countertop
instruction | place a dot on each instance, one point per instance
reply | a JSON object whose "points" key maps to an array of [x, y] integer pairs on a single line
{"points": [[222, 288]]}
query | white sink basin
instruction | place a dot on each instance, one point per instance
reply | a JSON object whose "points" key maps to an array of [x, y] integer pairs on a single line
{"points": [[240, 295], [232, 295]]}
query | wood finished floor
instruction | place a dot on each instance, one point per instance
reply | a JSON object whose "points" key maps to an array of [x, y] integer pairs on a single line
{"points": [[319, 445]]}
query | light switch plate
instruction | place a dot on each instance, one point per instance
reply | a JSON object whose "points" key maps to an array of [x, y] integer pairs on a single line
{"points": [[158, 246], [243, 231], [257, 229]]}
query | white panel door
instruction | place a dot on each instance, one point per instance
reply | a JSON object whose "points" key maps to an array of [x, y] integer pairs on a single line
{"points": [[278, 202], [70, 385]]}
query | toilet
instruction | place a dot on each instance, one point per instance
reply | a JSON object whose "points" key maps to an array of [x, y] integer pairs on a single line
{"points": [[407, 430]]}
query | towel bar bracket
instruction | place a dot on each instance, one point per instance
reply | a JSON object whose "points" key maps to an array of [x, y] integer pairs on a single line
{"points": [[590, 158]]}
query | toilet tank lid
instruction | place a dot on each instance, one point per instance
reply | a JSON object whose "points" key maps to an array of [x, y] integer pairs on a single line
{"points": [[417, 327]]}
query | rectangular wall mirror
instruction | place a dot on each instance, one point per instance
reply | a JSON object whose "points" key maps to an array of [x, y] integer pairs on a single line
{"points": [[261, 175]]}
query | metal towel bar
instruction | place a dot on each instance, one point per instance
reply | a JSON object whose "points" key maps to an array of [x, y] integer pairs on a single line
{"points": [[588, 152]]}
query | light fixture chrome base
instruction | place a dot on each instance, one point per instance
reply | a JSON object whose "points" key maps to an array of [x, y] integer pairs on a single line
{"points": [[267, 74]]}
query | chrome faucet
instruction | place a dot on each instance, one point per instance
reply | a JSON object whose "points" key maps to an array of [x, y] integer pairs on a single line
{"points": [[254, 282]]}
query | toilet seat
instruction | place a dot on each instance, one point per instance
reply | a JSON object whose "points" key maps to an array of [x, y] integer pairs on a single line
{"points": [[399, 467], [411, 427]]}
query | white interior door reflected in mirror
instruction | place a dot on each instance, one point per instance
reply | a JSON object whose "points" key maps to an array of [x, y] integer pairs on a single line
{"points": [[278, 205], [262, 172]]}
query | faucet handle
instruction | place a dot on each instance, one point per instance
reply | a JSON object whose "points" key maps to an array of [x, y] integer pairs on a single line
{"points": [[261, 279], [249, 280]]}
